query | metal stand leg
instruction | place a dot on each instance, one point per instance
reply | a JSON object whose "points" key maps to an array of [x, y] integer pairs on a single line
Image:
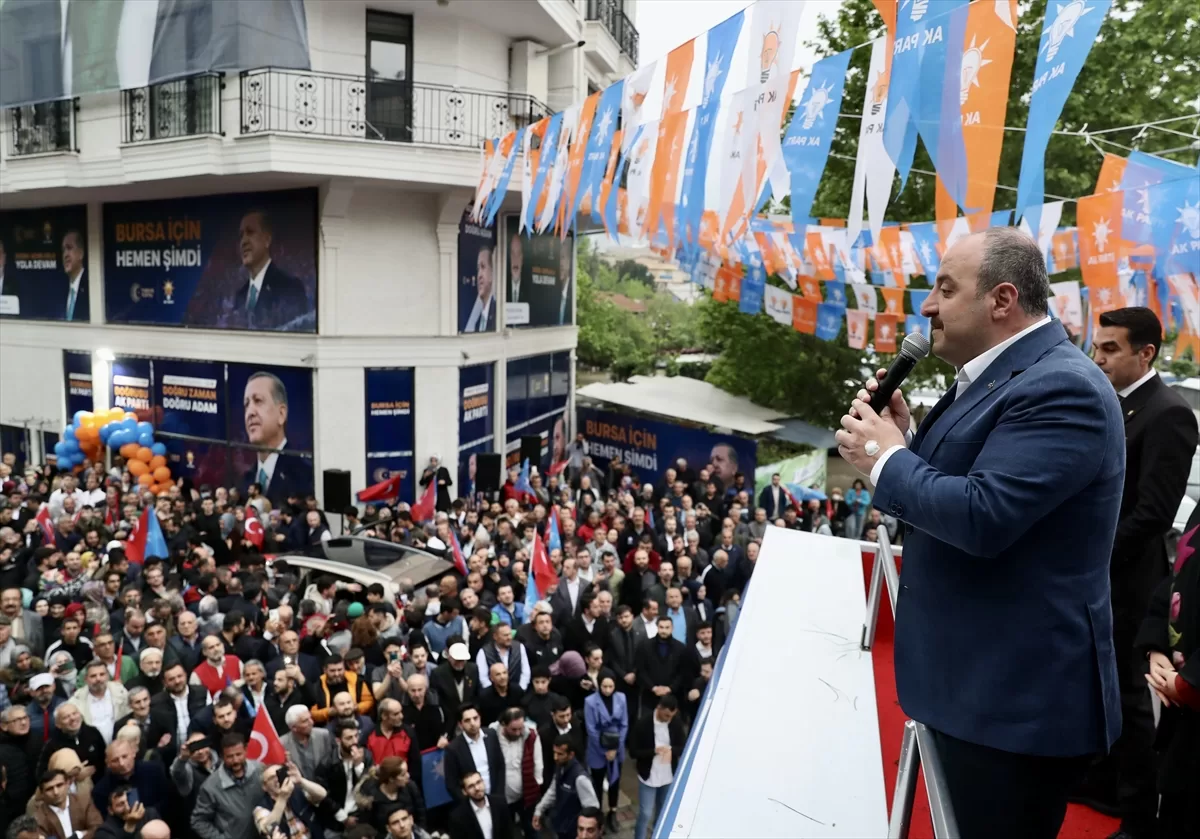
{"points": [[941, 812], [874, 597], [906, 784]]}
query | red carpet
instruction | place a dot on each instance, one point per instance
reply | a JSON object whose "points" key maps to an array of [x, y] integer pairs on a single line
{"points": [[1081, 822]]}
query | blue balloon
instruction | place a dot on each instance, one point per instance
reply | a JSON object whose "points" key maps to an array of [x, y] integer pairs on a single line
{"points": [[69, 432], [129, 424], [60, 450], [119, 438], [159, 449], [71, 445], [78, 419], [145, 428], [105, 433], [146, 438]]}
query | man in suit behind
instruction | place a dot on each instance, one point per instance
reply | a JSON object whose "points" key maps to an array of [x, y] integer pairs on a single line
{"points": [[271, 298], [474, 750], [774, 498], [1009, 492], [79, 809], [477, 809], [483, 313], [1160, 442]]}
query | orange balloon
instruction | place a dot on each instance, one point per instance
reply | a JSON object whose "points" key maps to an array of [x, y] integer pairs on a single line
{"points": [[162, 474], [129, 415], [129, 450], [144, 454], [137, 468], [145, 479], [87, 434], [157, 461], [161, 489]]}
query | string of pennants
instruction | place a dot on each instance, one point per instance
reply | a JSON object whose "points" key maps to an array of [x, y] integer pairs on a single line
{"points": [[669, 158]]}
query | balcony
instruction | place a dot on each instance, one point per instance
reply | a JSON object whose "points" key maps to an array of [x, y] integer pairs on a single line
{"points": [[187, 107], [43, 128], [610, 31], [329, 105]]}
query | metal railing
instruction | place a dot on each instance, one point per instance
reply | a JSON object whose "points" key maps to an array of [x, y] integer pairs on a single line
{"points": [[917, 750], [330, 105], [618, 24], [186, 107], [42, 128]]}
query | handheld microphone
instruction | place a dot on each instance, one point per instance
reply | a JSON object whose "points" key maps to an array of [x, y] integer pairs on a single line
{"points": [[913, 349]]}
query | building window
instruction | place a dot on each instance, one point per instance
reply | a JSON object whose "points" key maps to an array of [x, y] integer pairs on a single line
{"points": [[389, 76]]}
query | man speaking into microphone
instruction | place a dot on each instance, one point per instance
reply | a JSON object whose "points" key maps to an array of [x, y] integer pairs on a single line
{"points": [[1009, 491]]}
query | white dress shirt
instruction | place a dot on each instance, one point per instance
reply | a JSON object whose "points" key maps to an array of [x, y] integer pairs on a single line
{"points": [[661, 773], [483, 815], [256, 284], [102, 715], [64, 817], [478, 749], [1125, 391], [970, 372], [183, 716]]}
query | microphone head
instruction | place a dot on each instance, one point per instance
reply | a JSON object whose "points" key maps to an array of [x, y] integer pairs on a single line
{"points": [[915, 346]]}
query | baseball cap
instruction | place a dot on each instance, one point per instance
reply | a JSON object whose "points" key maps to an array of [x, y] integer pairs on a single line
{"points": [[41, 680], [115, 543], [459, 652]]}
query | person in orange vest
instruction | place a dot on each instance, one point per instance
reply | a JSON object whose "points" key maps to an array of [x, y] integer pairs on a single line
{"points": [[336, 680]]}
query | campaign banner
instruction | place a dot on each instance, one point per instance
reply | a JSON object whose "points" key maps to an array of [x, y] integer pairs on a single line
{"points": [[808, 471], [539, 275], [129, 387], [476, 277], [390, 427], [476, 421], [536, 396], [77, 370], [270, 424], [43, 264], [190, 398], [651, 446], [240, 261]]}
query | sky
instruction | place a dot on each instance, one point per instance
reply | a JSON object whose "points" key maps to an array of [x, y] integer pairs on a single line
{"points": [[665, 24]]}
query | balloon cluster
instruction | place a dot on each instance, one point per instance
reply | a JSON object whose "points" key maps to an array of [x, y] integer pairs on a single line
{"points": [[88, 434]]}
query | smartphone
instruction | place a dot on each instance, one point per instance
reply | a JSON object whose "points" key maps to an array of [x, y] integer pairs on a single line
{"points": [[131, 797], [281, 773], [393, 656]]}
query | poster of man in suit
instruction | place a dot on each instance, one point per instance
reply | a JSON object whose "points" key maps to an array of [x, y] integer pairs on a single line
{"points": [[275, 426], [476, 276], [43, 264], [239, 261], [539, 272]]}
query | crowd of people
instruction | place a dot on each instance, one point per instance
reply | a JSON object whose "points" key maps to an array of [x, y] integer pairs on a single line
{"points": [[130, 685]]}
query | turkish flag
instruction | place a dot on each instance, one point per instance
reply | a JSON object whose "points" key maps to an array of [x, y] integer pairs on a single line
{"points": [[264, 745], [253, 531], [426, 507]]}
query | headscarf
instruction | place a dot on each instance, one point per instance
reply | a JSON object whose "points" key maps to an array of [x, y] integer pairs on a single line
{"points": [[569, 665]]}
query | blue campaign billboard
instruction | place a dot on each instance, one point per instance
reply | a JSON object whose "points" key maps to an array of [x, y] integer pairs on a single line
{"points": [[538, 278], [77, 372], [390, 427], [650, 447], [477, 296], [536, 395], [270, 424], [241, 261], [43, 264], [225, 424], [476, 421]]}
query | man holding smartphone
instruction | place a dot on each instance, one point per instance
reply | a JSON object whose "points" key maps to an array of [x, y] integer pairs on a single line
{"points": [[126, 814]]}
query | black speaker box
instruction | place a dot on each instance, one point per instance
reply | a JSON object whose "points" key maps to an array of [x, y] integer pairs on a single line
{"points": [[531, 450], [337, 495], [487, 472]]}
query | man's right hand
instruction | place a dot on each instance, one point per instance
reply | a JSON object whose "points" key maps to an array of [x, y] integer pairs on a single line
{"points": [[896, 410], [630, 678]]}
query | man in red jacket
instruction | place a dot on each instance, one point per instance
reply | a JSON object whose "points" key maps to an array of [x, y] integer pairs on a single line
{"points": [[218, 670]]}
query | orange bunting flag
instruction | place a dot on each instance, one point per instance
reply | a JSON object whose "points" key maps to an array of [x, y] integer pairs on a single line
{"points": [[804, 313], [1099, 218], [987, 61], [1112, 171], [818, 256], [885, 332], [575, 163], [1065, 255], [856, 328], [889, 244], [606, 186], [893, 301], [811, 289]]}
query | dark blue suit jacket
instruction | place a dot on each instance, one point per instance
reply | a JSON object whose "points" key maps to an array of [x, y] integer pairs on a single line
{"points": [[1004, 622]]}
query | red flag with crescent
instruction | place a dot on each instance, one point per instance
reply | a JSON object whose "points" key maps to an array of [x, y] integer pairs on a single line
{"points": [[253, 531], [264, 745]]}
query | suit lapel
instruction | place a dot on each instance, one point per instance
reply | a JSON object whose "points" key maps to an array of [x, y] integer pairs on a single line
{"points": [[1010, 363], [1140, 398]]}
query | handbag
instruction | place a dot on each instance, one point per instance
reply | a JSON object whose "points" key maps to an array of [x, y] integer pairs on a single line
{"points": [[610, 740]]}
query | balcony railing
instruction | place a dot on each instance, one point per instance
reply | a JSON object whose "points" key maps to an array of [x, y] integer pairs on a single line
{"points": [[610, 13], [43, 128], [328, 105], [185, 107]]}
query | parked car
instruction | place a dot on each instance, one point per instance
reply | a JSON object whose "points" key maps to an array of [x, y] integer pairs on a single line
{"points": [[362, 560]]}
